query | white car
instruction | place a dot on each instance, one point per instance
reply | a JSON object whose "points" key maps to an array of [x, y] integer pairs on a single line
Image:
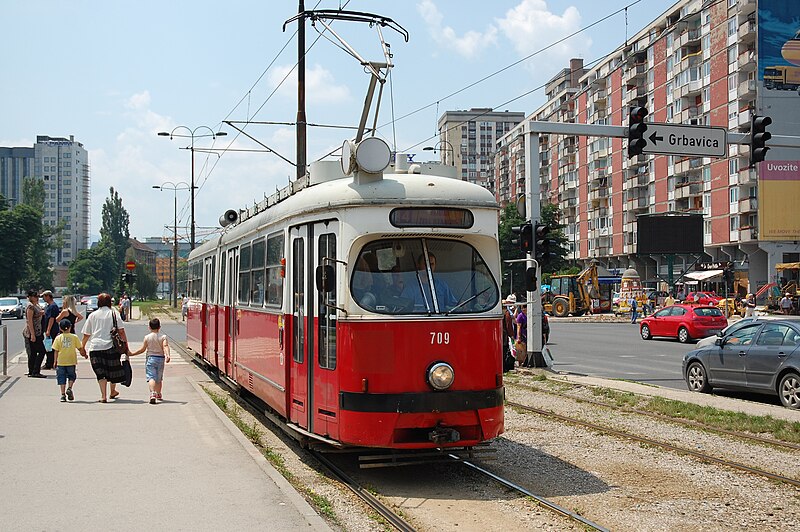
{"points": [[11, 307]]}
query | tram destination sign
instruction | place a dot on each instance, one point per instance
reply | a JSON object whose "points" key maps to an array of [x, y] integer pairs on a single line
{"points": [[680, 139]]}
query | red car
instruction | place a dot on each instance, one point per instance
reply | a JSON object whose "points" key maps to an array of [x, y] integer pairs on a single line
{"points": [[703, 298], [683, 322]]}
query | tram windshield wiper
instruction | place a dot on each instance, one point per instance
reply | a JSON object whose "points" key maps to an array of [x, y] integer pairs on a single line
{"points": [[462, 303]]}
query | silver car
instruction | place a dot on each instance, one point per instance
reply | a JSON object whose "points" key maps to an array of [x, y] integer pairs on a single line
{"points": [[11, 307], [736, 325], [758, 356]]}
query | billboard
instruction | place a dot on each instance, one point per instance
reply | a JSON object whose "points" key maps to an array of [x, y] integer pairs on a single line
{"points": [[669, 234], [779, 98]]}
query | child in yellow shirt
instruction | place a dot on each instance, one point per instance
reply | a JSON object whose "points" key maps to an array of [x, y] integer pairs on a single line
{"points": [[66, 347]]}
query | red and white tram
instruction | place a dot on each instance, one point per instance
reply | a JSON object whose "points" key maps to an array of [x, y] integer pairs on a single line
{"points": [[318, 302]]}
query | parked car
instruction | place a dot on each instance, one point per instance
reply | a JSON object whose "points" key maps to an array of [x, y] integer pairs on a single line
{"points": [[12, 307], [85, 299], [760, 356], [683, 322], [738, 324], [91, 305], [703, 298]]}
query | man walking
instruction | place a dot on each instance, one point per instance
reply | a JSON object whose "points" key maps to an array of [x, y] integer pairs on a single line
{"points": [[49, 326], [633, 304]]}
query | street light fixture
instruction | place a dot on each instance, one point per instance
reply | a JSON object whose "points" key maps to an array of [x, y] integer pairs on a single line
{"points": [[192, 135], [175, 187], [436, 148]]}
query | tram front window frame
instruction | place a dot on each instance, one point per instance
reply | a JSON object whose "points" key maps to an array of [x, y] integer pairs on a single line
{"points": [[393, 276]]}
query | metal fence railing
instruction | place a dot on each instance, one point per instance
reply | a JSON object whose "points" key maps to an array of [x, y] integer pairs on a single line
{"points": [[4, 347]]}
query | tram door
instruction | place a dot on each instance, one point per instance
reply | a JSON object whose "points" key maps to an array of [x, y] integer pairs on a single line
{"points": [[232, 320], [314, 388], [209, 309]]}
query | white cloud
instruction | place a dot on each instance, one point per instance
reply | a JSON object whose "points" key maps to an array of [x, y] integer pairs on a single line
{"points": [[531, 26], [321, 86], [469, 45]]}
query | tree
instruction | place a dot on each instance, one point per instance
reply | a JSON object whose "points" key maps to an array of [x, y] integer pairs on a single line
{"points": [[509, 218], [115, 227], [145, 282], [93, 270], [42, 239], [550, 216], [17, 226]]}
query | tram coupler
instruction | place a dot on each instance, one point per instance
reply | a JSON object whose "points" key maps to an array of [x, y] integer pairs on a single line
{"points": [[444, 435]]}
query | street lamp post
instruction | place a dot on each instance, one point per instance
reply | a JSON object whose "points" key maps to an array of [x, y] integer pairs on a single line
{"points": [[175, 187], [192, 135], [436, 148]]}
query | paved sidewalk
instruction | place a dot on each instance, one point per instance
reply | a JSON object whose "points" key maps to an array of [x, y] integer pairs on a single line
{"points": [[130, 465]]}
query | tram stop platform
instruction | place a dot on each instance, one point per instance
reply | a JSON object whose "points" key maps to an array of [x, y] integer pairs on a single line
{"points": [[129, 465]]}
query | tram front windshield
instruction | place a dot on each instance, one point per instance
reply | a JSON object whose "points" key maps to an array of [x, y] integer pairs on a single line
{"points": [[395, 277]]}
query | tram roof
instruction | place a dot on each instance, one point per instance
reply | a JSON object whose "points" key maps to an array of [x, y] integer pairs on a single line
{"points": [[337, 192]]}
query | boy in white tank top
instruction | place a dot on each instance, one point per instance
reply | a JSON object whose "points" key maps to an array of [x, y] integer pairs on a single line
{"points": [[157, 347]]}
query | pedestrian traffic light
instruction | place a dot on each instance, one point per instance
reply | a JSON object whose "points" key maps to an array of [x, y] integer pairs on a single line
{"points": [[636, 129], [524, 238], [530, 279], [758, 138], [543, 244]]}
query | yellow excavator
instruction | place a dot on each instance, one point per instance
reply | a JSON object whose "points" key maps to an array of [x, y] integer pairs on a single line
{"points": [[572, 294]]}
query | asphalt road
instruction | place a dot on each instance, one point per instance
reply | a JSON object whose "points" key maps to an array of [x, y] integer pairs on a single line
{"points": [[616, 351]]}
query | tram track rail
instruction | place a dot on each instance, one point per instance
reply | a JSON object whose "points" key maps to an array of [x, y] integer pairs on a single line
{"points": [[656, 443], [541, 501], [662, 417]]}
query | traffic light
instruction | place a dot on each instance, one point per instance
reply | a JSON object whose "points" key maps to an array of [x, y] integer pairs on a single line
{"points": [[530, 279], [524, 238], [636, 129], [758, 138], [543, 246]]}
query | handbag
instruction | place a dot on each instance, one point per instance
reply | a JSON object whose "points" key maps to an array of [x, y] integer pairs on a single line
{"points": [[126, 367], [48, 343], [120, 345]]}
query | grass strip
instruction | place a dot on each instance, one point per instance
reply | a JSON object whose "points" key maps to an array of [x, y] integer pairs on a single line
{"points": [[253, 433], [715, 418]]}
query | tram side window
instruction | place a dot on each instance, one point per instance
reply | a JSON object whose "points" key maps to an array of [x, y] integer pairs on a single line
{"points": [[194, 279], [327, 310], [244, 275], [274, 269], [257, 273], [222, 294]]}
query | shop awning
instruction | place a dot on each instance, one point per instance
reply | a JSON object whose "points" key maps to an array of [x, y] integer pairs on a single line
{"points": [[705, 275], [787, 266]]}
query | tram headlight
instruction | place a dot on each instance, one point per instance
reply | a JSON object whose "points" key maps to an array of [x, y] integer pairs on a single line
{"points": [[441, 376]]}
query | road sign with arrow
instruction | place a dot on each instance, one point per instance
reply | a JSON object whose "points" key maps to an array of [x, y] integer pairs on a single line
{"points": [[681, 139]]}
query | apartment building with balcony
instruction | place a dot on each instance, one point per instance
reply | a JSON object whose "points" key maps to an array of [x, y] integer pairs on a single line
{"points": [[467, 141], [694, 64]]}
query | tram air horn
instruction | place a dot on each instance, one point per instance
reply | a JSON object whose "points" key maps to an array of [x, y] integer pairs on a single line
{"points": [[228, 218]]}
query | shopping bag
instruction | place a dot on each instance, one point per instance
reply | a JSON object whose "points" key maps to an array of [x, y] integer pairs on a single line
{"points": [[126, 367]]}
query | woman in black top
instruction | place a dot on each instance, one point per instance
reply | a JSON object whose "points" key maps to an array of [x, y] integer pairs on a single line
{"points": [[69, 312]]}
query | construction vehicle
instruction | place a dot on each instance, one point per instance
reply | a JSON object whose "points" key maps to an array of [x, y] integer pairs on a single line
{"points": [[572, 294]]}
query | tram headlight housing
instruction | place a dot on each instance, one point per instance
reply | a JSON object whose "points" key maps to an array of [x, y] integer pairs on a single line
{"points": [[441, 376]]}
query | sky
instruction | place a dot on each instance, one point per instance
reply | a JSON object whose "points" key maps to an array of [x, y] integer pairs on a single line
{"points": [[114, 74]]}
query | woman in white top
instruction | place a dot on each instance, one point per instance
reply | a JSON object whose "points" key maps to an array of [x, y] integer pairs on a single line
{"points": [[97, 336]]}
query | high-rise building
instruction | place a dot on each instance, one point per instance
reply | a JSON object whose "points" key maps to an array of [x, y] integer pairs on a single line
{"points": [[700, 63], [467, 141], [63, 166]]}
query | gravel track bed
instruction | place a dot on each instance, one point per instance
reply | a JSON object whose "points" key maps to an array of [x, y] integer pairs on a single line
{"points": [[780, 461], [630, 486]]}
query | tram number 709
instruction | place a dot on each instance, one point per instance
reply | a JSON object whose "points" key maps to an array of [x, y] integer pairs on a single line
{"points": [[440, 338]]}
